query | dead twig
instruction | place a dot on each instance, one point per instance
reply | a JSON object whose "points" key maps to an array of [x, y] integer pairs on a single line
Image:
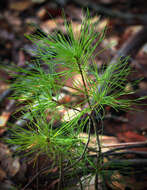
{"points": [[128, 163], [119, 146], [132, 45], [137, 153], [125, 146], [136, 144]]}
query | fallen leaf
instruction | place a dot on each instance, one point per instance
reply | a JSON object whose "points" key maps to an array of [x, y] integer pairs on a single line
{"points": [[2, 174], [4, 118], [130, 136], [20, 5], [105, 140], [7, 162], [51, 24], [69, 114], [121, 182], [3, 86]]}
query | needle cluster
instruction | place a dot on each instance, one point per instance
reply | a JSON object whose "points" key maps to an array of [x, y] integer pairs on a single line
{"points": [[39, 89]]}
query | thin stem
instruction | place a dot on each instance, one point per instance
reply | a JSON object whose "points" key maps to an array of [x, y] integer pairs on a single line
{"points": [[138, 153], [37, 179], [60, 173], [85, 148], [65, 105], [73, 88], [35, 176], [131, 145], [99, 150], [94, 124], [119, 146], [125, 144], [81, 185], [86, 92]]}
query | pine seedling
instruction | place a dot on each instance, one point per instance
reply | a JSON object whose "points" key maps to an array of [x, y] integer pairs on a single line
{"points": [[40, 90]]}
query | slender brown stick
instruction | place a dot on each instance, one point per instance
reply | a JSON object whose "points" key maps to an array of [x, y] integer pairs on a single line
{"points": [[65, 105], [93, 122], [133, 145], [60, 173], [121, 146], [124, 144], [99, 150], [84, 151], [84, 83], [34, 177], [65, 85], [137, 153]]}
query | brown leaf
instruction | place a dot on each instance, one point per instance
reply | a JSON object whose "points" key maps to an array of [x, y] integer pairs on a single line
{"points": [[20, 5], [2, 174], [7, 162], [4, 118], [51, 24], [131, 182], [130, 136]]}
